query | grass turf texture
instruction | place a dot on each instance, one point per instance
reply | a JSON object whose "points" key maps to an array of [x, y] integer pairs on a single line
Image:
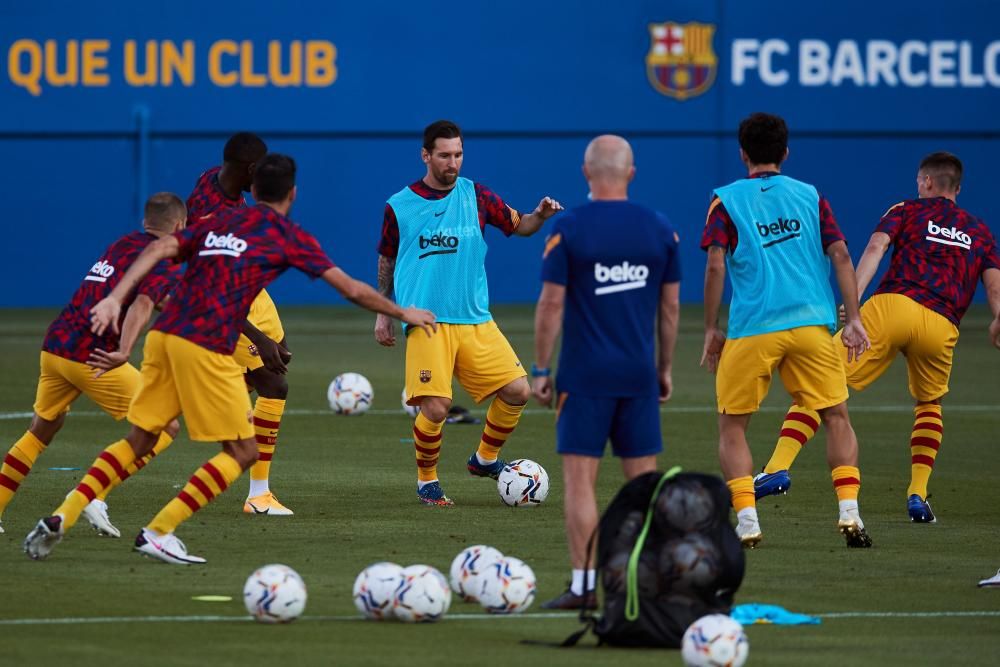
{"points": [[351, 483]]}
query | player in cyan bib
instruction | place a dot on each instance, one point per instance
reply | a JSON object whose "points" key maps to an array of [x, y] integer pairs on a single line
{"points": [[940, 253]]}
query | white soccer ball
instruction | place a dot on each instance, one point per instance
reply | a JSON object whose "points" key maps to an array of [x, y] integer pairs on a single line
{"points": [[715, 641], [275, 594], [523, 483], [507, 587], [412, 410], [350, 394], [423, 596], [467, 567], [375, 590]]}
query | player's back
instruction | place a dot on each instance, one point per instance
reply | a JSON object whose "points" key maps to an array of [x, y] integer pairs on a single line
{"points": [[939, 252], [618, 254], [207, 198]]}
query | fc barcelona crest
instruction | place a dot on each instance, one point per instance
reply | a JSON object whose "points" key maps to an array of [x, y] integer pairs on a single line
{"points": [[425, 376], [681, 62]]}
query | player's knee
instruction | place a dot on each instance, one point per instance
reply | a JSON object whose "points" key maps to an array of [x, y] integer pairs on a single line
{"points": [[244, 451], [435, 408], [173, 428], [270, 385], [516, 393], [46, 429], [835, 416], [141, 441]]}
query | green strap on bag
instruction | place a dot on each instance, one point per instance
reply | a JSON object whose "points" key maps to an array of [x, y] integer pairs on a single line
{"points": [[632, 578]]}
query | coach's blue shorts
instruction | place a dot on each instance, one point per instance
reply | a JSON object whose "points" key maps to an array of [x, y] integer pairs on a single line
{"points": [[585, 424]]}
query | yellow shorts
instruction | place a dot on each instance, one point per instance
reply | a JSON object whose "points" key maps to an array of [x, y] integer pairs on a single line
{"points": [[178, 377], [61, 381], [897, 323], [263, 315], [808, 360], [477, 354]]}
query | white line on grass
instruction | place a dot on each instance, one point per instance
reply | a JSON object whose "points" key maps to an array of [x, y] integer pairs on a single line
{"points": [[683, 409], [451, 617]]}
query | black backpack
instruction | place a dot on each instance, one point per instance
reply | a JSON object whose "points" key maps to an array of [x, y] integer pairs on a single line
{"points": [[666, 556]]}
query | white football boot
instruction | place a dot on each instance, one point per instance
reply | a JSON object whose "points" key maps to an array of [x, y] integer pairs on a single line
{"points": [[96, 512], [167, 548]]}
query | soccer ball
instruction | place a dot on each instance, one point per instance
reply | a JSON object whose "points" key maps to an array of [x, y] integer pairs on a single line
{"points": [[350, 394], [375, 590], [715, 641], [467, 567], [523, 483], [275, 594], [423, 595], [412, 410], [507, 587]]}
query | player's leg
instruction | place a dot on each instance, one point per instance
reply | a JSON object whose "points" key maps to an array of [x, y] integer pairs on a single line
{"points": [[583, 426], [430, 362], [486, 365], [272, 392]]}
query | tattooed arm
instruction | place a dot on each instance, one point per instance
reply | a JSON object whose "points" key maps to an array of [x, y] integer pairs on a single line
{"points": [[385, 327]]}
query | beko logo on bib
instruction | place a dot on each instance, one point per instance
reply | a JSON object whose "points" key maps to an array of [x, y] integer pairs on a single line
{"points": [[948, 236], [230, 245], [623, 277], [100, 272]]}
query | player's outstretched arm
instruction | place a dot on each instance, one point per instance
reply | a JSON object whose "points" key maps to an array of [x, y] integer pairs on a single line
{"points": [[135, 321], [106, 312], [669, 317], [854, 336], [548, 322], [715, 281], [532, 222], [877, 246], [385, 327], [991, 279], [365, 296]]}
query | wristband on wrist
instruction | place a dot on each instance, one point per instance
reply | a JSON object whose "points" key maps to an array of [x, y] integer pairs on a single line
{"points": [[537, 372]]}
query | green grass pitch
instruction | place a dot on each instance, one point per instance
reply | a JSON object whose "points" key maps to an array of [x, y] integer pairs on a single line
{"points": [[350, 481]]}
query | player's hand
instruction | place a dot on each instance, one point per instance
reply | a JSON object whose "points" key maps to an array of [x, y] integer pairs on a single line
{"points": [[541, 389], [419, 317], [547, 208], [385, 330], [855, 339], [666, 386], [995, 332], [105, 361], [715, 339], [105, 314], [274, 356]]}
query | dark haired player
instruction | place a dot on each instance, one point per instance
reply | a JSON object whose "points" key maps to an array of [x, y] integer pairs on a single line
{"points": [[432, 253], [776, 238], [187, 361], [940, 252], [261, 350], [75, 361]]}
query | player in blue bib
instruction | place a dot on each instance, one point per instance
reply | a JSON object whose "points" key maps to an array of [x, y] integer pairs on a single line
{"points": [[611, 279]]}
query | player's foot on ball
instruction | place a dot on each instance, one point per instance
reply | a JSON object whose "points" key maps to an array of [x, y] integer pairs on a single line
{"points": [[266, 503], [43, 538], [432, 494], [167, 548], [853, 530], [572, 601], [771, 483], [920, 510], [96, 513], [748, 530], [485, 469]]}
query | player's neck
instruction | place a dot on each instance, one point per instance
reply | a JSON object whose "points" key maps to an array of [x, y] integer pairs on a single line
{"points": [[769, 168], [229, 182], [950, 196], [281, 208], [607, 192], [435, 184]]}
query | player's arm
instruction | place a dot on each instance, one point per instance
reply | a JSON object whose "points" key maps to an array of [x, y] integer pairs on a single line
{"points": [[274, 356], [669, 316], [385, 328], [715, 281], [877, 246], [107, 310], [548, 322], [533, 221], [991, 280], [854, 336], [136, 319], [364, 295]]}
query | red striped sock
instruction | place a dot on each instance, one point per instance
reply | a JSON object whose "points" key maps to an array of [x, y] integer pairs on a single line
{"points": [[925, 441], [501, 419], [427, 444], [109, 465], [798, 428], [16, 466], [846, 482], [205, 484]]}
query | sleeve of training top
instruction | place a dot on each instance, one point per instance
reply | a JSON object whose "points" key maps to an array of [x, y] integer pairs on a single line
{"points": [[719, 228], [892, 220], [303, 251], [672, 274], [493, 211], [388, 243], [555, 263], [829, 230]]}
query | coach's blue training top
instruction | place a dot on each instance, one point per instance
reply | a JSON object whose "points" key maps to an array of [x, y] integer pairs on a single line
{"points": [[612, 257]]}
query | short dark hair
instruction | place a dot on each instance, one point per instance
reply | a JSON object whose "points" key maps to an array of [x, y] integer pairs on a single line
{"points": [[164, 209], [764, 138], [245, 147], [944, 168], [440, 129], [274, 177]]}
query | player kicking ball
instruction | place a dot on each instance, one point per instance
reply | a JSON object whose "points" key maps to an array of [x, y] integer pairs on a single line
{"points": [[188, 365]]}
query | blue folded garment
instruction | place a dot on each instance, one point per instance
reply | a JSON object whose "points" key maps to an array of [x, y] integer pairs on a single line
{"points": [[748, 614]]}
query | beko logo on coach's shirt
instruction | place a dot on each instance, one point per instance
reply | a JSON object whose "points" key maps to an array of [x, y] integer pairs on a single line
{"points": [[948, 236], [230, 245], [623, 277], [100, 272]]}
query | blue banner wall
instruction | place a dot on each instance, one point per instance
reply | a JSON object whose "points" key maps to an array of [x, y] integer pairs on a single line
{"points": [[100, 105]]}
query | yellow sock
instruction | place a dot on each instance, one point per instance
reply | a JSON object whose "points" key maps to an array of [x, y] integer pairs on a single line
{"points": [[846, 482], [205, 484], [16, 466], [138, 464], [925, 440], [427, 443], [501, 419], [741, 489], [798, 428], [266, 422], [108, 465]]}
